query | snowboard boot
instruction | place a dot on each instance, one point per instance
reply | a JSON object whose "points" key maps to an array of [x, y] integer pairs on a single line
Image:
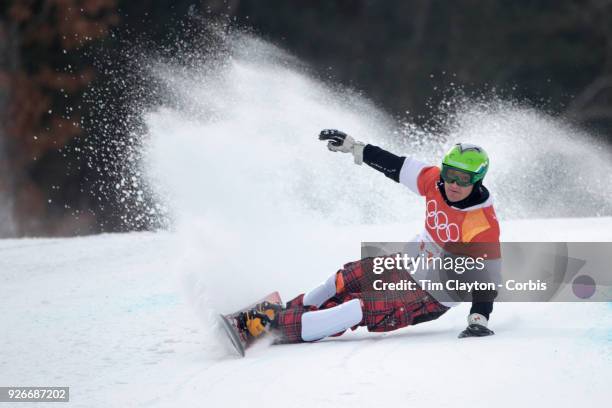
{"points": [[258, 320]]}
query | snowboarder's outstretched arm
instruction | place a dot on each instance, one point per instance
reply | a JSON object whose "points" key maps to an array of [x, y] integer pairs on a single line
{"points": [[398, 168]]}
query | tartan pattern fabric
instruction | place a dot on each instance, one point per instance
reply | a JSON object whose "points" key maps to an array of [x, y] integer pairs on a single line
{"points": [[382, 310], [289, 323]]}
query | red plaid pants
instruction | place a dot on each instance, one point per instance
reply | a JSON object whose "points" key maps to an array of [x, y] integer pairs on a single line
{"points": [[383, 310]]}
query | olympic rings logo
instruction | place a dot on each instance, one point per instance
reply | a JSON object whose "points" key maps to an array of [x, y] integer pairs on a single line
{"points": [[438, 221]]}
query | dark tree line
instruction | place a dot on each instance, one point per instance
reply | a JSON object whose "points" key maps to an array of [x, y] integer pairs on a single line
{"points": [[554, 52], [42, 78], [403, 54]]}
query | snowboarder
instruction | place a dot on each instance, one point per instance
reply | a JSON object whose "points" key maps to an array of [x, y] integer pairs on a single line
{"points": [[459, 210]]}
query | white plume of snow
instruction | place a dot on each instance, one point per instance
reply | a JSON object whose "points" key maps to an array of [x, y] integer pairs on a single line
{"points": [[256, 196]]}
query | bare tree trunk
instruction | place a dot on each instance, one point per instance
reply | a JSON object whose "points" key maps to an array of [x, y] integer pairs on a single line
{"points": [[9, 61], [595, 100], [421, 17]]}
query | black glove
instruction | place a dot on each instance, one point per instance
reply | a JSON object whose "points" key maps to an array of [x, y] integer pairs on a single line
{"points": [[338, 141], [477, 327], [476, 330]]}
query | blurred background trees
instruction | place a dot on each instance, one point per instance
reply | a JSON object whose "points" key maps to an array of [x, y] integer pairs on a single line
{"points": [[42, 78], [403, 54]]}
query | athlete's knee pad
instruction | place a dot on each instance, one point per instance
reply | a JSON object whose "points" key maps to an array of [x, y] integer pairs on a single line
{"points": [[323, 323], [325, 291]]}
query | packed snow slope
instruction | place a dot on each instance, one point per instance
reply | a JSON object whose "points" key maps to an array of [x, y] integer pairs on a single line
{"points": [[259, 204], [110, 316]]}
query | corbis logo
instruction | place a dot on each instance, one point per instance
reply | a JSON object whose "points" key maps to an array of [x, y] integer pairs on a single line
{"points": [[438, 221]]}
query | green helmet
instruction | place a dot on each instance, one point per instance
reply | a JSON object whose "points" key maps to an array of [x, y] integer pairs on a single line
{"points": [[468, 159]]}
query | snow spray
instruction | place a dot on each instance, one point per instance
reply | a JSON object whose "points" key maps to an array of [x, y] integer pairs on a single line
{"points": [[259, 204]]}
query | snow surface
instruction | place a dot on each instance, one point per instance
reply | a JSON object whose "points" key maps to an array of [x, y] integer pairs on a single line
{"points": [[113, 317]]}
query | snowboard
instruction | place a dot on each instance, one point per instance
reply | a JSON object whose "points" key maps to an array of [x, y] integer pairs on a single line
{"points": [[238, 339]]}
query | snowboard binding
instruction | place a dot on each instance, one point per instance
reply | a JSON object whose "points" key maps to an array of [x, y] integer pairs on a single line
{"points": [[246, 325], [260, 319]]}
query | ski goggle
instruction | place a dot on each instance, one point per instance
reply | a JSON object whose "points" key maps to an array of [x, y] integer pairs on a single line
{"points": [[453, 175]]}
